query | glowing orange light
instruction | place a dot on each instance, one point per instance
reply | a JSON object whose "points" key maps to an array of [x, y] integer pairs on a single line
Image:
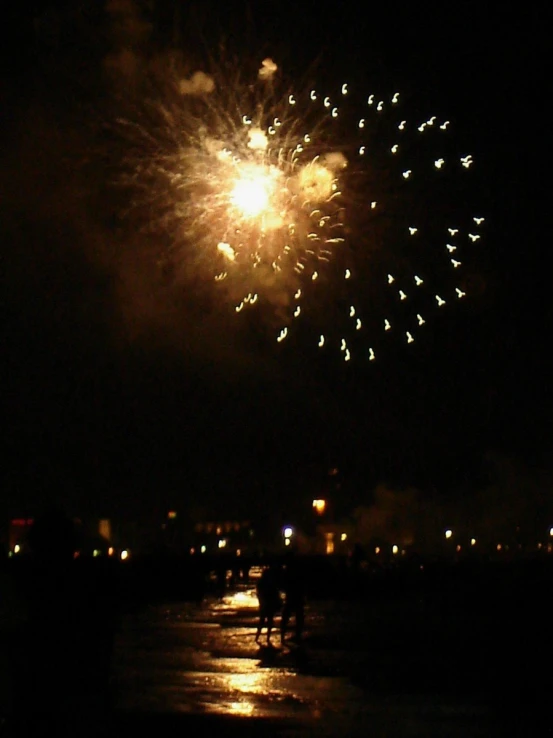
{"points": [[252, 191], [319, 506]]}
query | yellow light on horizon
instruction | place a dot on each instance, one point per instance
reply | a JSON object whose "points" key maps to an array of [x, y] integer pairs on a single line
{"points": [[473, 541], [319, 506], [288, 532], [124, 554], [16, 548], [448, 533], [343, 537], [395, 549]]}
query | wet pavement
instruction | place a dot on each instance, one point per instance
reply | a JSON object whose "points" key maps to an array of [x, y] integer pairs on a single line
{"points": [[190, 660]]}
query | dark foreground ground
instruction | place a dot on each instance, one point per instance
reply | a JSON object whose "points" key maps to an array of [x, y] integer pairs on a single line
{"points": [[399, 664]]}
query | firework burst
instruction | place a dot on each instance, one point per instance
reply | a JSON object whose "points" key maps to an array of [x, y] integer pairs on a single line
{"points": [[334, 208]]}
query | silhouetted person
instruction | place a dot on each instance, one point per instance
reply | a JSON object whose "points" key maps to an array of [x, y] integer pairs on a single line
{"points": [[268, 595], [294, 599], [65, 657]]}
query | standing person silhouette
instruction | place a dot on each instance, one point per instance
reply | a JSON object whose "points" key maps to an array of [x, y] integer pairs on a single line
{"points": [[69, 634], [270, 603], [294, 600]]}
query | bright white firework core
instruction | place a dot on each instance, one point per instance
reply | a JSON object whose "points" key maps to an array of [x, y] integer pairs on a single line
{"points": [[252, 192]]}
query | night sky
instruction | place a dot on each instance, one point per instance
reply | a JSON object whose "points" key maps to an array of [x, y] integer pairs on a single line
{"points": [[123, 397]]}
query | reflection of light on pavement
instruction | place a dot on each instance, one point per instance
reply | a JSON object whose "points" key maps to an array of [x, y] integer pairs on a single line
{"points": [[253, 683], [246, 598], [241, 708], [246, 685]]}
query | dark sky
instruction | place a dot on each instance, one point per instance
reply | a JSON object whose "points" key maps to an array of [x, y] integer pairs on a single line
{"points": [[115, 402]]}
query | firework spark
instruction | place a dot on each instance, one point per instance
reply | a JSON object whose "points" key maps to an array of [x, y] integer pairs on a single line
{"points": [[333, 207]]}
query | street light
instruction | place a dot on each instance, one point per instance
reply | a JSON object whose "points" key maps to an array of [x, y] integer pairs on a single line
{"points": [[448, 533], [319, 506], [287, 532]]}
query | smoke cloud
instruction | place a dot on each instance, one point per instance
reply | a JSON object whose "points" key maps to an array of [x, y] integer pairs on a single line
{"points": [[267, 70], [199, 83]]}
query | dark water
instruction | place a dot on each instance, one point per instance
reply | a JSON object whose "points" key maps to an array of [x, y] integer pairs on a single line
{"points": [[351, 677]]}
